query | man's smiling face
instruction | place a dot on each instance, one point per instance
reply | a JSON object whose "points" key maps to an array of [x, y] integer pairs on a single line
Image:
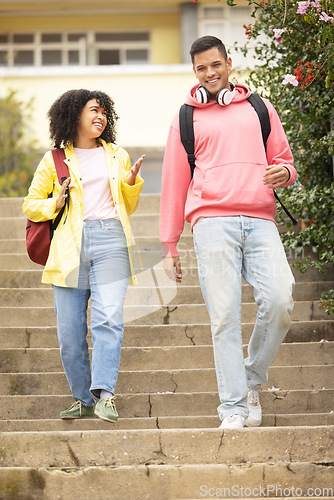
{"points": [[212, 70]]}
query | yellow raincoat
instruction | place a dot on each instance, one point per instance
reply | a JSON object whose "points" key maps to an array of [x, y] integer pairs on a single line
{"points": [[62, 266]]}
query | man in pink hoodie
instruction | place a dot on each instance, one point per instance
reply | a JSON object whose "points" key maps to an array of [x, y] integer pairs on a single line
{"points": [[230, 205]]}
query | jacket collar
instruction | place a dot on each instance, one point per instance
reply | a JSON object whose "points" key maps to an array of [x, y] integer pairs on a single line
{"points": [[73, 164]]}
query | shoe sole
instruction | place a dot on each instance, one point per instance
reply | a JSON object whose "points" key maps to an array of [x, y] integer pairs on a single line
{"points": [[105, 418], [255, 423], [231, 428], [77, 418]]}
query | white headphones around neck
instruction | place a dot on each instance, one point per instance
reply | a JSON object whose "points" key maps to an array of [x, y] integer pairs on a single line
{"points": [[223, 97]]}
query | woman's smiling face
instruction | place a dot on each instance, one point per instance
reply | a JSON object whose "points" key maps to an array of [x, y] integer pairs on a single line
{"points": [[93, 120]]}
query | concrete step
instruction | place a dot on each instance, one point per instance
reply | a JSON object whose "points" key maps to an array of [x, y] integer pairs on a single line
{"points": [[159, 422], [150, 243], [12, 207], [162, 335], [142, 224], [145, 224], [165, 358], [154, 295], [155, 314], [168, 447], [166, 394], [147, 254], [168, 404], [171, 482], [31, 278], [175, 381]]}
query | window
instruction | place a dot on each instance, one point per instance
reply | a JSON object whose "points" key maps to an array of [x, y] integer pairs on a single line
{"points": [[107, 57], [23, 58], [121, 48], [227, 23], [74, 48]]}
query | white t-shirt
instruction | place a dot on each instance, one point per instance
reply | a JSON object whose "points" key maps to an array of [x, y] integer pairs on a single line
{"points": [[97, 198]]}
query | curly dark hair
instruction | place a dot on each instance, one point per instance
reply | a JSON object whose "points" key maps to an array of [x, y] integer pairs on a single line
{"points": [[65, 112]]}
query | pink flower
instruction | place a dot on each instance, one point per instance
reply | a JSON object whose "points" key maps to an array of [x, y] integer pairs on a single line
{"points": [[302, 7], [316, 4], [290, 79], [278, 33], [324, 17]]}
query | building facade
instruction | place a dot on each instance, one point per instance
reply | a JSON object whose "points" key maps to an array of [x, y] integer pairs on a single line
{"points": [[136, 50]]}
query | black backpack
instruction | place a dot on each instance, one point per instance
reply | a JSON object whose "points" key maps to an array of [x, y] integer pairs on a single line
{"points": [[188, 137]]}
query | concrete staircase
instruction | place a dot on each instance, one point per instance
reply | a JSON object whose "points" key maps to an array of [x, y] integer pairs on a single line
{"points": [[166, 444]]}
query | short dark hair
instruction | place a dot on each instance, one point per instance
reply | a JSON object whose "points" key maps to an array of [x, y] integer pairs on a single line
{"points": [[65, 112], [205, 43]]}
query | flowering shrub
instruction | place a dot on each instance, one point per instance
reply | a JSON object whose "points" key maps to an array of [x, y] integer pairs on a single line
{"points": [[294, 47], [17, 155]]}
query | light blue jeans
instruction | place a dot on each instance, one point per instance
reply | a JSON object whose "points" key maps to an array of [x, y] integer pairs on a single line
{"points": [[228, 248], [103, 276]]}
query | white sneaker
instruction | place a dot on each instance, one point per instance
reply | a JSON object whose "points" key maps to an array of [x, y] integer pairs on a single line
{"points": [[233, 422], [254, 418]]}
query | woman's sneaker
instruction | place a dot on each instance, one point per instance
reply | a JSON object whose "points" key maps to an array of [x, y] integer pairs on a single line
{"points": [[106, 409], [77, 410], [235, 421], [254, 418]]}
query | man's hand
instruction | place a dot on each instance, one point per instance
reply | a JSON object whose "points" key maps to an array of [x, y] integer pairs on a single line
{"points": [[276, 176], [172, 267]]}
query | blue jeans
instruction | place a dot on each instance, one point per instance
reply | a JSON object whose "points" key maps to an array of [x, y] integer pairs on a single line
{"points": [[103, 276], [227, 249]]}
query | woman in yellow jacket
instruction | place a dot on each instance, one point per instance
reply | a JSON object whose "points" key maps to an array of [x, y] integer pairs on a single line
{"points": [[90, 254]]}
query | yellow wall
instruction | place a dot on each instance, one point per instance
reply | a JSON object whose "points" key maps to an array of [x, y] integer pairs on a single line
{"points": [[145, 103]]}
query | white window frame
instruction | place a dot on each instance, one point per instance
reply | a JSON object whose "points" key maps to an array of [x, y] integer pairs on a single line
{"points": [[86, 46], [121, 46]]}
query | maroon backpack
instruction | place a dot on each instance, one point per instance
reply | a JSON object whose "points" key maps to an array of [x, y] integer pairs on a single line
{"points": [[39, 234]]}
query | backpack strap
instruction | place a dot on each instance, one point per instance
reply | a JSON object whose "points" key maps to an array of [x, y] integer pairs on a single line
{"points": [[262, 111], [263, 114], [187, 126], [293, 220], [61, 167], [62, 174], [187, 133]]}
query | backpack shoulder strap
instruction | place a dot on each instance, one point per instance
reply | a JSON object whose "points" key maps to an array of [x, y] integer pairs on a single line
{"points": [[262, 111], [62, 174], [187, 133], [187, 126], [61, 167], [263, 114]]}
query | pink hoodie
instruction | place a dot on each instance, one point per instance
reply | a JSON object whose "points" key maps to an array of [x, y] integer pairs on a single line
{"points": [[230, 163]]}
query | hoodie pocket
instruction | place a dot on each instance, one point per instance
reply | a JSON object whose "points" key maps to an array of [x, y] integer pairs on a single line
{"points": [[237, 186]]}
